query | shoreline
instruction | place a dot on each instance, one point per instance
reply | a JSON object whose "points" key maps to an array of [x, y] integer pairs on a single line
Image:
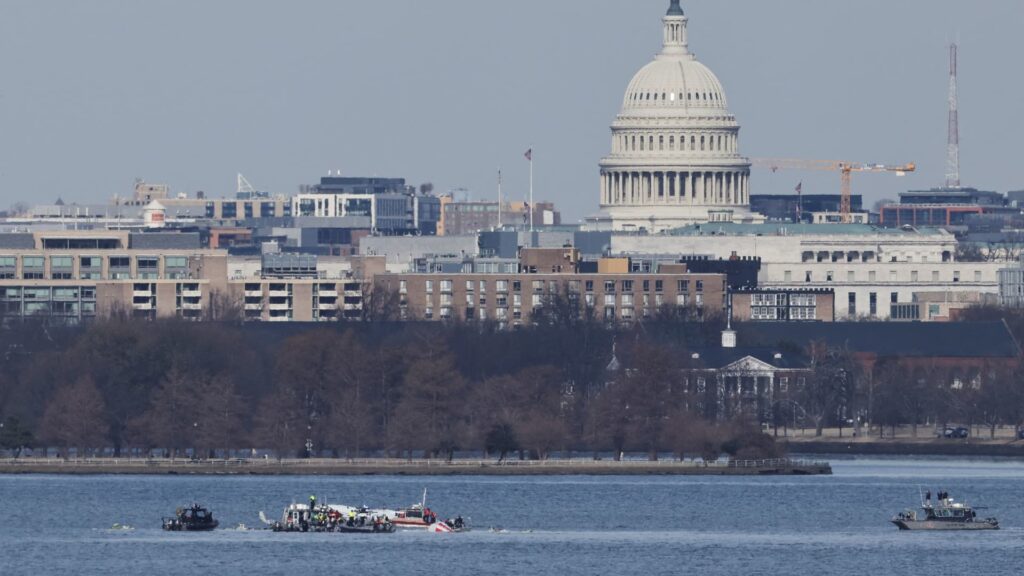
{"points": [[341, 467], [904, 448]]}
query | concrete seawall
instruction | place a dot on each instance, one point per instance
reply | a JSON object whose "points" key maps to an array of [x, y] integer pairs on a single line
{"points": [[340, 467], [900, 448]]}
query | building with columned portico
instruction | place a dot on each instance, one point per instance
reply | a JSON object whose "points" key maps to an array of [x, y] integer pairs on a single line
{"points": [[675, 146]]}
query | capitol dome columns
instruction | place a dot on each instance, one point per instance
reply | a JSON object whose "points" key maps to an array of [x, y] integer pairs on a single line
{"points": [[667, 186]]}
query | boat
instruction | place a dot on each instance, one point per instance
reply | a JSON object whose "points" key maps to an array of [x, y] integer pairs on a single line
{"points": [[418, 515], [945, 514], [330, 518], [194, 518]]}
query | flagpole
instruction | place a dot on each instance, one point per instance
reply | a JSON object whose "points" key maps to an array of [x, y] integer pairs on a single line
{"points": [[499, 198], [531, 189]]}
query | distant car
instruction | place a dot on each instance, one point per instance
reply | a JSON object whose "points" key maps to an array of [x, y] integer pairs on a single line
{"points": [[1020, 434], [955, 432]]}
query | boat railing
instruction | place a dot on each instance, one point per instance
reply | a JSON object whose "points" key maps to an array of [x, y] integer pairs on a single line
{"points": [[134, 462]]}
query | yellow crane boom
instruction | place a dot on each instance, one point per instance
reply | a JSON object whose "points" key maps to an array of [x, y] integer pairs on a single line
{"points": [[845, 169]]}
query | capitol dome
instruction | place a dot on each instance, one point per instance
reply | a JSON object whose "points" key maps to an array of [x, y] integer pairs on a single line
{"points": [[677, 86], [675, 146]]}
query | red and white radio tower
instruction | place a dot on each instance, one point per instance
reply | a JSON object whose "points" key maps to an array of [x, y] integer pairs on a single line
{"points": [[953, 147]]}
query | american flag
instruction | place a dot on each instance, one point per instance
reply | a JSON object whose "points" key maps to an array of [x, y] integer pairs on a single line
{"points": [[799, 204], [529, 154]]}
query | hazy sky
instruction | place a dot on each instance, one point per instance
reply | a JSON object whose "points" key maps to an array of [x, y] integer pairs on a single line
{"points": [[188, 92]]}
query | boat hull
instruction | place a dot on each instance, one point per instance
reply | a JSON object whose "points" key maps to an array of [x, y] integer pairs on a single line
{"points": [[176, 526], [945, 525]]}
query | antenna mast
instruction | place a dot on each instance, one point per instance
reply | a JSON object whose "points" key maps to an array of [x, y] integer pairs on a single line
{"points": [[953, 146]]}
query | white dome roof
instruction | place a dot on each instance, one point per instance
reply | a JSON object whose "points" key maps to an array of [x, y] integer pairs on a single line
{"points": [[680, 83], [675, 156], [675, 84]]}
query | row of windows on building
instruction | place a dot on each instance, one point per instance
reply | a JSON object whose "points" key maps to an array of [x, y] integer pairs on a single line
{"points": [[912, 310], [662, 143], [504, 313], [674, 97], [864, 256], [779, 299], [872, 276], [873, 304], [783, 313], [328, 302], [250, 209], [70, 302], [590, 300], [783, 306], [91, 267], [572, 286]]}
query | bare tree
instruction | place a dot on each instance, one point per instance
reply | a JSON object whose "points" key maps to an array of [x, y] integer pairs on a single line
{"points": [[691, 434], [171, 420], [219, 419], [890, 378], [305, 374], [970, 252], [430, 414], [223, 307], [829, 385], [380, 304], [351, 423], [280, 422], [75, 417]]}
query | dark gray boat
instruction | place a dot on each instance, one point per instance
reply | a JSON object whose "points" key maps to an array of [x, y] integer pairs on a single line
{"points": [[945, 514], [195, 518]]}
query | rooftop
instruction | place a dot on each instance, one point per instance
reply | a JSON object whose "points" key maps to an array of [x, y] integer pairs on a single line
{"points": [[790, 229]]}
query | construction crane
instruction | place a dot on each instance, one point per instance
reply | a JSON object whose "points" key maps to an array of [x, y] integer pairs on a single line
{"points": [[845, 169]]}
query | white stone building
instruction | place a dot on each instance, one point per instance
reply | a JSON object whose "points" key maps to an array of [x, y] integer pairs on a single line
{"points": [[675, 147], [868, 268]]}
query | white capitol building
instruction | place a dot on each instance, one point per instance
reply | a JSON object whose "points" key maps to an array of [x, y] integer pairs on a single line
{"points": [[675, 147]]}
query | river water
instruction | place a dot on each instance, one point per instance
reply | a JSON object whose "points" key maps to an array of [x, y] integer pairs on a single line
{"points": [[535, 525]]}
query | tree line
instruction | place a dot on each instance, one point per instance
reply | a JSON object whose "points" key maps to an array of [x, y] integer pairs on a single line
{"points": [[180, 388], [407, 389]]}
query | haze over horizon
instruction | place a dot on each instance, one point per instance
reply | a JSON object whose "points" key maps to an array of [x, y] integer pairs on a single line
{"points": [[187, 93]]}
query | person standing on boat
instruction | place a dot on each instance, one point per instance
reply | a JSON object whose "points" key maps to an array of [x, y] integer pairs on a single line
{"points": [[928, 498]]}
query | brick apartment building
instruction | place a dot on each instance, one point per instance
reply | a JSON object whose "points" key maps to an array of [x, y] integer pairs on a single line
{"points": [[551, 277]]}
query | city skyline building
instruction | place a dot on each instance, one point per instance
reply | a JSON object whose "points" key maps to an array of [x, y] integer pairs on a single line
{"points": [[675, 146]]}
